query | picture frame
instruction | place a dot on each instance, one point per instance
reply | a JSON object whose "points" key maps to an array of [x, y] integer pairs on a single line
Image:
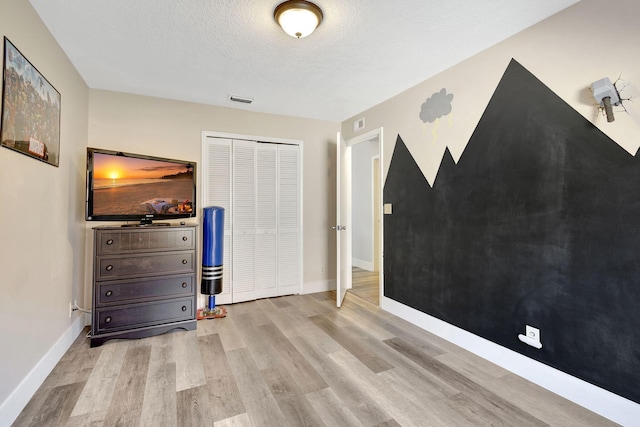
{"points": [[30, 121]]}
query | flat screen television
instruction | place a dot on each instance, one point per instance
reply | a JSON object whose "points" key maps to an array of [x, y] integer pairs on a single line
{"points": [[137, 187]]}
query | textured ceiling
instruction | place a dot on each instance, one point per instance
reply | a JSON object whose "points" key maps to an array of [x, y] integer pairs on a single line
{"points": [[364, 52]]}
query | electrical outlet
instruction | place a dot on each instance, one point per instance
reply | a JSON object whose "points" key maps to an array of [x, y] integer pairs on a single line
{"points": [[533, 333], [531, 337], [323, 269], [70, 308]]}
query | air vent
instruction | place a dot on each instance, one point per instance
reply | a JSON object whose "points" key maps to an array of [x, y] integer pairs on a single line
{"points": [[358, 124], [241, 99]]}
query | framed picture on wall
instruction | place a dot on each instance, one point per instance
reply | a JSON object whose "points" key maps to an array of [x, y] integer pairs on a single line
{"points": [[30, 109]]}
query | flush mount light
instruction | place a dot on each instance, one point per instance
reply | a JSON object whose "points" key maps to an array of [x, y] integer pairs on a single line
{"points": [[298, 18]]}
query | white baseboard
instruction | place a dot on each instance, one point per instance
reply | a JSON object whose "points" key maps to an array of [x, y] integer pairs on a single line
{"points": [[15, 403], [365, 265], [319, 286], [596, 399], [307, 288]]}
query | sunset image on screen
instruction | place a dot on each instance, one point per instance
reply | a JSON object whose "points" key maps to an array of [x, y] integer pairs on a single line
{"points": [[130, 186], [116, 168]]}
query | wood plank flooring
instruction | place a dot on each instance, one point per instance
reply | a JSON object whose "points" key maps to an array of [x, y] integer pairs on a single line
{"points": [[292, 361], [366, 285]]}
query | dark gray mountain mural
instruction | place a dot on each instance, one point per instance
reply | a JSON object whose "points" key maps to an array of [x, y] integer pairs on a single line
{"points": [[538, 224]]}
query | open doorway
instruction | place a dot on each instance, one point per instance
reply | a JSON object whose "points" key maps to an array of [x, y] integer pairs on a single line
{"points": [[366, 216]]}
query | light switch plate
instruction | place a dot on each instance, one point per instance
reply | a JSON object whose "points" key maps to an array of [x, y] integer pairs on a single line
{"points": [[387, 209]]}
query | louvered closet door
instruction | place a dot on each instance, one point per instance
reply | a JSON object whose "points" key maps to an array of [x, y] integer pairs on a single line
{"points": [[217, 192], [258, 184], [255, 248], [266, 254], [289, 262], [244, 220]]}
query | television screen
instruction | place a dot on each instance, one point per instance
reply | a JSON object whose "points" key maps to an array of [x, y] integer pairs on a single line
{"points": [[134, 187]]}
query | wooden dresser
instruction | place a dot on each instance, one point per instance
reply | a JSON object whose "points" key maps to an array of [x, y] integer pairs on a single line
{"points": [[144, 281]]}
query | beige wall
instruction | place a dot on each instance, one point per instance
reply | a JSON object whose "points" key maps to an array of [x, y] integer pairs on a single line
{"points": [[567, 52], [173, 129], [42, 231]]}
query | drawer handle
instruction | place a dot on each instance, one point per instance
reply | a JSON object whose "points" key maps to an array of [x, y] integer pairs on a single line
{"points": [[110, 242], [109, 267], [184, 308], [109, 293], [107, 320], [184, 261], [184, 238], [184, 284]]}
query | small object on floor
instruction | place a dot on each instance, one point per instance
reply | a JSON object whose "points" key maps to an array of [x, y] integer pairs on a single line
{"points": [[215, 313]]}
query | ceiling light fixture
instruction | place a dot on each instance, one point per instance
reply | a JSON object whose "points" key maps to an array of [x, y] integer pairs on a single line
{"points": [[298, 18]]}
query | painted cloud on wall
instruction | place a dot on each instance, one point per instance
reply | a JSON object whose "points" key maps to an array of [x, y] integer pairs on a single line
{"points": [[439, 105]]}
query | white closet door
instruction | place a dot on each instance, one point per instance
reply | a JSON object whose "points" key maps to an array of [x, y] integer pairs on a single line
{"points": [[244, 220], [217, 191], [266, 255], [243, 288], [259, 186], [289, 232]]}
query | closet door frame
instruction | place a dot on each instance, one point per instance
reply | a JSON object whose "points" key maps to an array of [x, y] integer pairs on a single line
{"points": [[226, 297]]}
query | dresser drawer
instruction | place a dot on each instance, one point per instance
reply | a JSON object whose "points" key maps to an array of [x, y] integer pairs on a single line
{"points": [[144, 314], [116, 267], [117, 291], [153, 239]]}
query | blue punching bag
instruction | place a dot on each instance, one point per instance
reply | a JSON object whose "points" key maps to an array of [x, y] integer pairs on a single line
{"points": [[212, 255]]}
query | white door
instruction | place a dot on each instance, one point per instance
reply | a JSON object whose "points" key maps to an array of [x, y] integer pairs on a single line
{"points": [[266, 244], [244, 221], [343, 219], [217, 191], [376, 214], [289, 220], [259, 186]]}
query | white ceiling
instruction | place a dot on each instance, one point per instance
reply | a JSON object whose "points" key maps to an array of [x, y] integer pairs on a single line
{"points": [[364, 52]]}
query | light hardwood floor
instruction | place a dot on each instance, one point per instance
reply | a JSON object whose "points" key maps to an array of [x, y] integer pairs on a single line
{"points": [[366, 285], [292, 361]]}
